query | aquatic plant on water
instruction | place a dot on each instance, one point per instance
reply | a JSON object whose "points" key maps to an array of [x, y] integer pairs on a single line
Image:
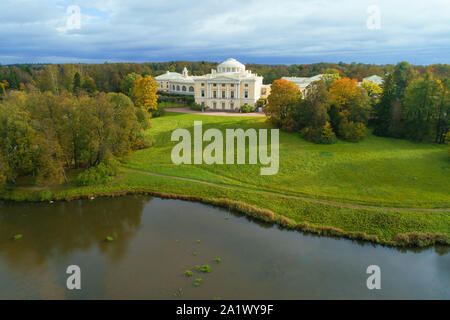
{"points": [[198, 281], [204, 268], [188, 273]]}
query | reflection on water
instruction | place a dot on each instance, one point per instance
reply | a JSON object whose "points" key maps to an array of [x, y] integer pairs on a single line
{"points": [[154, 245]]}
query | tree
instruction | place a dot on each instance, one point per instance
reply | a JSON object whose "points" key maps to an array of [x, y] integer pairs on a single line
{"points": [[76, 85], [313, 110], [382, 121], [48, 79], [144, 93], [327, 135], [372, 88], [4, 84], [331, 76], [443, 111], [127, 84], [282, 105], [88, 84], [342, 90], [351, 109], [422, 99]]}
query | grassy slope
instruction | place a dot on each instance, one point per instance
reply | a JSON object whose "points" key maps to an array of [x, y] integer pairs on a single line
{"points": [[414, 160], [376, 171]]}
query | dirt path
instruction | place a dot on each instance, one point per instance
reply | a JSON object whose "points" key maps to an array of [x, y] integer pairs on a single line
{"points": [[325, 202], [216, 113]]}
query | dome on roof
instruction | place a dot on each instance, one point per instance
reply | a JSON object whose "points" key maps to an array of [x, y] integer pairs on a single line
{"points": [[231, 65]]}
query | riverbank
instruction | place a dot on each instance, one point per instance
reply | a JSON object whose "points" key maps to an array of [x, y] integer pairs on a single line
{"points": [[393, 228], [382, 190]]}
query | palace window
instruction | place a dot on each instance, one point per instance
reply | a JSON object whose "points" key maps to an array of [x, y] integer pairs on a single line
{"points": [[214, 85], [184, 88], [214, 94], [223, 105], [223, 84], [203, 93], [232, 85], [246, 93], [223, 94], [191, 89], [232, 94], [232, 105], [203, 84], [178, 88], [246, 85], [214, 105]]}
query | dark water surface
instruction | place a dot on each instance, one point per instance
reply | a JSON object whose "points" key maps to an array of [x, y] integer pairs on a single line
{"points": [[155, 244]]}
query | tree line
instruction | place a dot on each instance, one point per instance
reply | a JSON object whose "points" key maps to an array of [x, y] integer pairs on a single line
{"points": [[410, 104], [44, 133], [108, 77]]}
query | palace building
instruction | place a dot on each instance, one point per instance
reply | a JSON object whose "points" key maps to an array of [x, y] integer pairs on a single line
{"points": [[175, 82], [227, 88], [303, 83]]}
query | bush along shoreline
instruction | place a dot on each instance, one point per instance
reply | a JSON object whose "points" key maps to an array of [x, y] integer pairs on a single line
{"points": [[405, 240]]}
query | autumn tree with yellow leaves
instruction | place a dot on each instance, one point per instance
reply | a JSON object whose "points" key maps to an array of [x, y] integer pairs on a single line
{"points": [[144, 93]]}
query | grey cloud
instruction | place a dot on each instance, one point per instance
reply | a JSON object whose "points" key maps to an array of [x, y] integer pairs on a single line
{"points": [[157, 30]]}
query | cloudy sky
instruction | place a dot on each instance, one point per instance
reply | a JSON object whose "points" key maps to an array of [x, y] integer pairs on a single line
{"points": [[259, 31]]}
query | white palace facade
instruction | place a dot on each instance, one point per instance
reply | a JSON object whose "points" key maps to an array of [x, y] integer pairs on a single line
{"points": [[227, 88]]}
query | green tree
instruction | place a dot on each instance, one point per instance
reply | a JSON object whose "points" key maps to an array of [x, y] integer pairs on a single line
{"points": [[127, 84], [382, 116], [76, 84], [88, 84], [421, 105]]}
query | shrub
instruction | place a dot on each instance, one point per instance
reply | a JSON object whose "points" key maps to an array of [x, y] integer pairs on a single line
{"points": [[196, 107], [352, 131], [45, 195], [103, 173], [247, 108], [159, 112], [326, 135], [261, 102]]}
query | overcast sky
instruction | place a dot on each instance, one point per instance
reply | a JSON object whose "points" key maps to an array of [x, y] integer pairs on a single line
{"points": [[259, 31]]}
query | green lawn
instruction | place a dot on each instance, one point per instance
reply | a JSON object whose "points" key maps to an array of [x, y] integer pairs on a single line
{"points": [[376, 171]]}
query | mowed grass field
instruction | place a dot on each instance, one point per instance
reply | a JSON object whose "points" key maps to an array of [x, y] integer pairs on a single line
{"points": [[378, 171]]}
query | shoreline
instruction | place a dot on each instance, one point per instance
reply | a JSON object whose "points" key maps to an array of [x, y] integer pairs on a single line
{"points": [[405, 240]]}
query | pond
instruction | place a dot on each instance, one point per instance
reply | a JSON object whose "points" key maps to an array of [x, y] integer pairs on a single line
{"points": [[156, 241]]}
